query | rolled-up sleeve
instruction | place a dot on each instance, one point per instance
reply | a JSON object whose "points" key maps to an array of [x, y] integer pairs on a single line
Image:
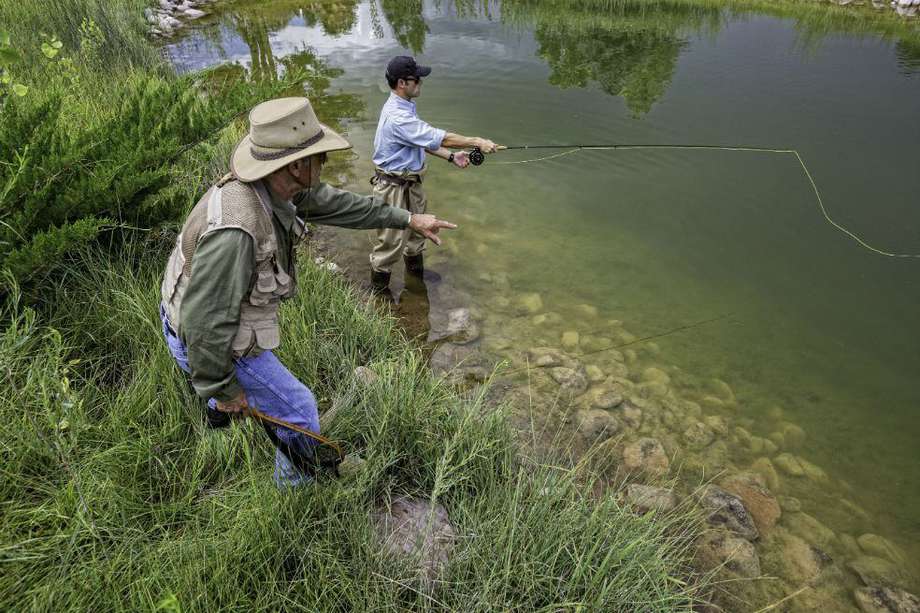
{"points": [[413, 131]]}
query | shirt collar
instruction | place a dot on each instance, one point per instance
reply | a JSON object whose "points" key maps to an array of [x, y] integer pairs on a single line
{"points": [[402, 102]]}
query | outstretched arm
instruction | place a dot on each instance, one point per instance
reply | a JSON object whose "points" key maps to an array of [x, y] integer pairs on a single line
{"points": [[456, 141]]}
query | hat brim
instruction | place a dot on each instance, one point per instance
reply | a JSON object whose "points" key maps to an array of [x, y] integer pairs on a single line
{"points": [[246, 168], [422, 71]]}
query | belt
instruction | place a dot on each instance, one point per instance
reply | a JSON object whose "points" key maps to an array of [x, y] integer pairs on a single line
{"points": [[400, 180]]}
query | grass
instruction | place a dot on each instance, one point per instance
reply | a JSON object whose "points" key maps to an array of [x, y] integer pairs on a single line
{"points": [[117, 498]]}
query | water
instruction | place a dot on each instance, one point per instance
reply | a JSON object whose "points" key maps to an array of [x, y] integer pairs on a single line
{"points": [[817, 325]]}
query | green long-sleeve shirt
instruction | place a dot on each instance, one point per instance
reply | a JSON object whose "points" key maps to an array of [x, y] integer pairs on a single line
{"points": [[223, 266]]}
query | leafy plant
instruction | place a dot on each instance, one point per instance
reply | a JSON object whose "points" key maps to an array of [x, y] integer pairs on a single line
{"points": [[8, 57]]}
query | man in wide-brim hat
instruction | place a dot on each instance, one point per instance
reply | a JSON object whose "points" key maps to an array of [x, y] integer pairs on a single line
{"points": [[234, 262]]}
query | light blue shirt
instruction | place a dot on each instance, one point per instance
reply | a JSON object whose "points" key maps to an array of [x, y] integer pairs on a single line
{"points": [[402, 137]]}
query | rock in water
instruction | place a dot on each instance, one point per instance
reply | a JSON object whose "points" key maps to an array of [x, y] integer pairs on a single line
{"points": [[461, 328], [570, 339], [413, 528], [886, 600], [733, 553], [789, 464], [646, 498], [727, 510], [801, 562], [880, 547], [698, 436], [647, 456], [874, 571], [758, 500], [596, 424], [529, 303], [570, 380]]}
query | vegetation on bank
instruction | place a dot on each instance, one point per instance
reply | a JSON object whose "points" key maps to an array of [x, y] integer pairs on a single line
{"points": [[115, 496]]}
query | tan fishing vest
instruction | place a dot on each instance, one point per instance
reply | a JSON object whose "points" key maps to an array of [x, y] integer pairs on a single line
{"points": [[247, 207]]}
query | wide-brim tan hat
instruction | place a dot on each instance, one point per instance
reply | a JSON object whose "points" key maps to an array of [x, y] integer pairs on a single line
{"points": [[280, 132]]}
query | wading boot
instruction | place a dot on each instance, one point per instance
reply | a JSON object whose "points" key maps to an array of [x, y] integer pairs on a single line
{"points": [[215, 418], [415, 265], [380, 281]]}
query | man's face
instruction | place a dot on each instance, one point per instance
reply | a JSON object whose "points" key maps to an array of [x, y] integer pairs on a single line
{"points": [[306, 172], [413, 87]]}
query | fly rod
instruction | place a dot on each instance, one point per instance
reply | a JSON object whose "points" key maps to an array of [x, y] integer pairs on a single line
{"points": [[477, 157]]}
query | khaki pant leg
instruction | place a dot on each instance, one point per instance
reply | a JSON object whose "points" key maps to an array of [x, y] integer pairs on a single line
{"points": [[418, 203], [390, 241]]}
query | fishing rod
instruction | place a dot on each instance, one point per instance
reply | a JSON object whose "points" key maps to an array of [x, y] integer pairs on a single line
{"points": [[477, 158]]}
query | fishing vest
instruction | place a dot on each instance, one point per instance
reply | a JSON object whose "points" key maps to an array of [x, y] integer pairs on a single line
{"points": [[247, 207]]}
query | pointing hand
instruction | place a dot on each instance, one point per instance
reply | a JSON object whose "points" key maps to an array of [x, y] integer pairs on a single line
{"points": [[429, 226]]}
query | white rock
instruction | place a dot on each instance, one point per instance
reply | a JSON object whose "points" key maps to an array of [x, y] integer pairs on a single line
{"points": [[193, 13]]}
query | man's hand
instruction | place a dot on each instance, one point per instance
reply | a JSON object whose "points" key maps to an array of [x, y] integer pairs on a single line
{"points": [[239, 404], [487, 146], [429, 226], [461, 159]]}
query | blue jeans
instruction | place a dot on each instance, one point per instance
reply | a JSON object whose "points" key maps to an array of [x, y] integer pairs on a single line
{"points": [[271, 388]]}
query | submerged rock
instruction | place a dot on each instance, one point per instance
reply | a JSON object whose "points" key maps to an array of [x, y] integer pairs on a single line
{"points": [[571, 381], [413, 528], [698, 435], [886, 600], [731, 552], [461, 328], [764, 468], [810, 529], [874, 571], [544, 357], [800, 562], [723, 391], [459, 363], [647, 498], [570, 339], [655, 375], [878, 546], [727, 510], [758, 500], [529, 303], [632, 415], [607, 399], [647, 456], [789, 464], [594, 373], [596, 424]]}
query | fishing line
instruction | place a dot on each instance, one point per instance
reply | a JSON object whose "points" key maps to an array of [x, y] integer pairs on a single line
{"points": [[477, 158]]}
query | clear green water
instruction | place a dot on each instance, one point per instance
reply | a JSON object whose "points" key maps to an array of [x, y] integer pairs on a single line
{"points": [[818, 326]]}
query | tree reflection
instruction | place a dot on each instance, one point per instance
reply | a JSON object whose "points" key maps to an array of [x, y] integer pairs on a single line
{"points": [[409, 27], [629, 49]]}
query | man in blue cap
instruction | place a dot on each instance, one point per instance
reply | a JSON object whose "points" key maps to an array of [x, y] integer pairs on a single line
{"points": [[400, 146]]}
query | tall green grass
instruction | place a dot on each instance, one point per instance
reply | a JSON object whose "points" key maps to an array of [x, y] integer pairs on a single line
{"points": [[117, 498]]}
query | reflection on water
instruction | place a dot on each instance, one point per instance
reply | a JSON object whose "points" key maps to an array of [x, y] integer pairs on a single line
{"points": [[819, 354]]}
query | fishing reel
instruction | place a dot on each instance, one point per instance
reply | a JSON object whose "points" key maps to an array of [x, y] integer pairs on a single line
{"points": [[477, 157]]}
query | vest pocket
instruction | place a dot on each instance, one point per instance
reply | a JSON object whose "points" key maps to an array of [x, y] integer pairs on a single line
{"points": [[244, 341], [268, 335]]}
